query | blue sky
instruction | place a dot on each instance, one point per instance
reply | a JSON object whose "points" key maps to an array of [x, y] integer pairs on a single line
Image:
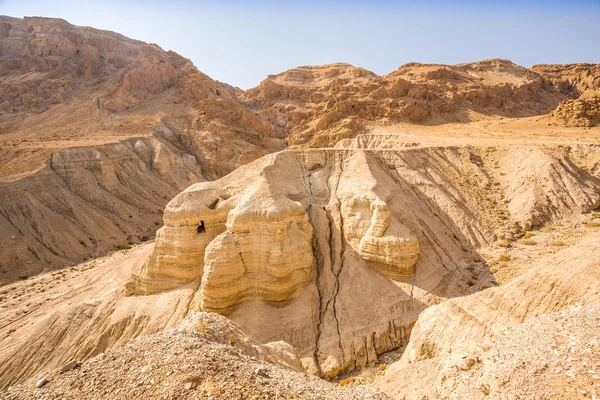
{"points": [[241, 42]]}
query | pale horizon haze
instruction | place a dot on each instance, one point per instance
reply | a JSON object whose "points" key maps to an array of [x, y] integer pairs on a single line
{"points": [[240, 43]]}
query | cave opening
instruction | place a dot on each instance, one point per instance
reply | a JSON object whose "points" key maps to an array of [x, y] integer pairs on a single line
{"points": [[201, 228]]}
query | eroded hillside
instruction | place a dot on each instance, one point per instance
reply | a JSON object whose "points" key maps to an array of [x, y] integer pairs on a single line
{"points": [[82, 107], [338, 252]]}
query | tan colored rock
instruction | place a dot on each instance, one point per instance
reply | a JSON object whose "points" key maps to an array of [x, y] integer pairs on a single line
{"points": [[254, 245]]}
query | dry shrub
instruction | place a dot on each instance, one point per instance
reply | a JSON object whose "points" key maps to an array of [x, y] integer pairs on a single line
{"points": [[504, 257]]}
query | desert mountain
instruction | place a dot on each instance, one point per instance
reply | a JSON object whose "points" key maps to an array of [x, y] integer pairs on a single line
{"points": [[429, 233], [99, 131]]}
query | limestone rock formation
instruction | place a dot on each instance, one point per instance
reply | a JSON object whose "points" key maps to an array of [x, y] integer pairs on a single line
{"points": [[64, 87], [257, 242], [466, 328], [578, 112], [115, 127], [576, 80], [339, 303], [376, 236], [88, 200], [337, 216], [254, 244], [322, 105]]}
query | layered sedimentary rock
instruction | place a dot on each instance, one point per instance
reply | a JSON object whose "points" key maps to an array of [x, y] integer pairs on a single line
{"points": [[247, 245], [337, 302], [73, 102], [303, 230], [321, 105], [86, 201], [378, 237], [451, 342], [255, 241], [312, 233]]}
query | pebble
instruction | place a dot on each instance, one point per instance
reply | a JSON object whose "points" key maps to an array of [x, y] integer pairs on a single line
{"points": [[41, 383], [72, 365], [188, 386]]}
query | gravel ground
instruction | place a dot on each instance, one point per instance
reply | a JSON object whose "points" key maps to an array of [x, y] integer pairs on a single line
{"points": [[553, 356], [215, 363]]}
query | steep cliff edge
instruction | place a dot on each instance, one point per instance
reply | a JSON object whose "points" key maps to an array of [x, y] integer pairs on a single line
{"points": [[86, 201]]}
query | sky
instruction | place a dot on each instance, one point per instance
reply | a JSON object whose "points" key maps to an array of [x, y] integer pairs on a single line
{"points": [[241, 42]]}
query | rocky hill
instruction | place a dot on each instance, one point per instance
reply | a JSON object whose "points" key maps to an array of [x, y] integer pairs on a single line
{"points": [[429, 233], [338, 252], [89, 118], [207, 356], [98, 133], [321, 105]]}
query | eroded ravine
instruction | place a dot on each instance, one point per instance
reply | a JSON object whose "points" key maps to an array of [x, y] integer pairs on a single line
{"points": [[323, 212]]}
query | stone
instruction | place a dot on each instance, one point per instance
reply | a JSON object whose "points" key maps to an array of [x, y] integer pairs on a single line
{"points": [[68, 367], [41, 383]]}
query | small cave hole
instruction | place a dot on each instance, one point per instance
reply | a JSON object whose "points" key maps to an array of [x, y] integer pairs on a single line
{"points": [[201, 228]]}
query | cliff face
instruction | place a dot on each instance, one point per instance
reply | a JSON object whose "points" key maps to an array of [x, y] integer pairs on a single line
{"points": [[335, 251], [322, 104], [88, 200], [343, 248]]}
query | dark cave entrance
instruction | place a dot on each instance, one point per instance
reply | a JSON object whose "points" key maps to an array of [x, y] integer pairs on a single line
{"points": [[201, 228]]}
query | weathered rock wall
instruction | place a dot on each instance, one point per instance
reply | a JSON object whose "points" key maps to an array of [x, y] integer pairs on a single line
{"points": [[86, 201]]}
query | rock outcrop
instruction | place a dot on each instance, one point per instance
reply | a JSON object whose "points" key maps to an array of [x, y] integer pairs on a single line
{"points": [[113, 126], [451, 341], [431, 213], [254, 244], [322, 105], [578, 112], [63, 87], [86, 201], [336, 216]]}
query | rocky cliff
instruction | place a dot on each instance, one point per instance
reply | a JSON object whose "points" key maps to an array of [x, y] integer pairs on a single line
{"points": [[335, 251]]}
